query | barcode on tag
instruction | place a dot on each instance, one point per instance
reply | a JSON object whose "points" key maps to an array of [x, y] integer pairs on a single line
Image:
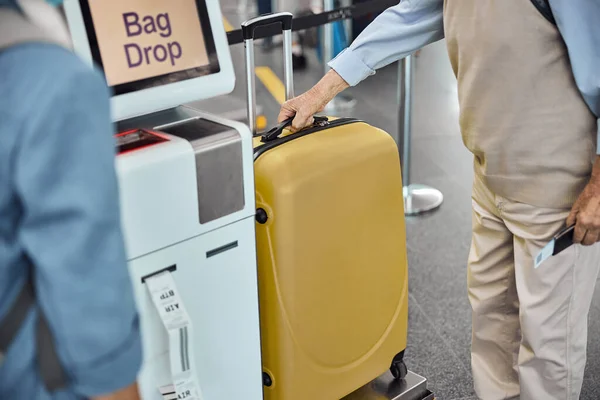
{"points": [[184, 349], [546, 253]]}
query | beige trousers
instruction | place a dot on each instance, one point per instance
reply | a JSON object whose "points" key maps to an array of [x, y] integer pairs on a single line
{"points": [[529, 325]]}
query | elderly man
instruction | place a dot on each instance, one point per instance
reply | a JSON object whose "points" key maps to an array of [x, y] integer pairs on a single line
{"points": [[529, 92]]}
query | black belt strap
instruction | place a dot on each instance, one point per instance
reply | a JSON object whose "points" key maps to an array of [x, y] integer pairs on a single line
{"points": [[53, 374], [353, 11], [51, 371], [13, 320], [315, 20]]}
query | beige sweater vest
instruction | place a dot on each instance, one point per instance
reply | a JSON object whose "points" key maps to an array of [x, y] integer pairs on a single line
{"points": [[521, 114]]}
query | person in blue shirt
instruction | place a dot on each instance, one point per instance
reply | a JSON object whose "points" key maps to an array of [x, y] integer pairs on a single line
{"points": [[60, 225], [529, 95]]}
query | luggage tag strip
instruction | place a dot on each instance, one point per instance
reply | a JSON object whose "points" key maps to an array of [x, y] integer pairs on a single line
{"points": [[560, 242], [176, 320]]}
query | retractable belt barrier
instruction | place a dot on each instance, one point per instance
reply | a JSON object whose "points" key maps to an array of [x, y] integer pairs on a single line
{"points": [[316, 20]]}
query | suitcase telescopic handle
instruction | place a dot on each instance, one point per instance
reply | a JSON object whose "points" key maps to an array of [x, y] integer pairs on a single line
{"points": [[283, 18], [248, 30]]}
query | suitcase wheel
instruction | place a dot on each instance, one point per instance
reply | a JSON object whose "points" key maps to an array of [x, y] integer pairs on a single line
{"points": [[398, 367], [261, 216], [399, 370], [267, 381]]}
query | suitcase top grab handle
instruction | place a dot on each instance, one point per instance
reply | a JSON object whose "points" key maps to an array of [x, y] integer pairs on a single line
{"points": [[284, 18], [274, 133], [248, 29]]}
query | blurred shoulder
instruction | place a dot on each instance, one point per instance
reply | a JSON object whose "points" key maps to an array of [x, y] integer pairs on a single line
{"points": [[37, 73]]}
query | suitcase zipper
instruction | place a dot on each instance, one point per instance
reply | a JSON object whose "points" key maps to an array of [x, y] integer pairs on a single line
{"points": [[260, 150]]}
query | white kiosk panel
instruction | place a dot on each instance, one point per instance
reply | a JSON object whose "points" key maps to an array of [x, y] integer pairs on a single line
{"points": [[187, 189]]}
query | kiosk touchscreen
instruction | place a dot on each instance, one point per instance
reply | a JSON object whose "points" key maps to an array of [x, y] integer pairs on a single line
{"points": [[155, 54]]}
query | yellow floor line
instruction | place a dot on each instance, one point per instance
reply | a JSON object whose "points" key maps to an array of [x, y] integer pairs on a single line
{"points": [[272, 83], [228, 26]]}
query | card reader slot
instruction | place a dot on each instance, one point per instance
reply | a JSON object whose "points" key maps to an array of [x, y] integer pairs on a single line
{"points": [[136, 139]]}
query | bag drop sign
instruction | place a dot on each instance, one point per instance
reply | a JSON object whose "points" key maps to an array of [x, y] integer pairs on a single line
{"points": [[140, 39], [160, 26]]}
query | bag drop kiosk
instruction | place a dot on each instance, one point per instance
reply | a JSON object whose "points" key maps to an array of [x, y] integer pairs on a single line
{"points": [[187, 190]]}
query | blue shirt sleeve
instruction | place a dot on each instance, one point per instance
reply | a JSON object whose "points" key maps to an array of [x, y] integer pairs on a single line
{"points": [[64, 176], [579, 25], [393, 35]]}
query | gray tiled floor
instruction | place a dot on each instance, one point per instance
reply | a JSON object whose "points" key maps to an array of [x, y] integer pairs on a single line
{"points": [[438, 244]]}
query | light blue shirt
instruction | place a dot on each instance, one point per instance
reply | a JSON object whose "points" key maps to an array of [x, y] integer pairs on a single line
{"points": [[413, 24], [59, 220]]}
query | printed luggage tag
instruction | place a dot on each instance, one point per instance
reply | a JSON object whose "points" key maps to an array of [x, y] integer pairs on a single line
{"points": [[560, 242], [174, 316]]}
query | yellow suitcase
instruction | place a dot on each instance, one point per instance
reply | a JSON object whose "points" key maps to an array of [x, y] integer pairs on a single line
{"points": [[331, 247]]}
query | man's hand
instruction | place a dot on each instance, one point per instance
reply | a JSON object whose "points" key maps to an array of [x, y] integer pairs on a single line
{"points": [[129, 393], [303, 107], [586, 211]]}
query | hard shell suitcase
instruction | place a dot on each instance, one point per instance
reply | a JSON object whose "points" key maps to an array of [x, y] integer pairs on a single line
{"points": [[331, 246]]}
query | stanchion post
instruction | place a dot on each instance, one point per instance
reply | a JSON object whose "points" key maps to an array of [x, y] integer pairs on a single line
{"points": [[327, 52], [341, 102], [418, 198], [404, 115], [348, 22]]}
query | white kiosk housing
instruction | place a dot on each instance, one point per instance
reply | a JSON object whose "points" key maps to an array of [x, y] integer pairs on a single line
{"points": [[186, 182]]}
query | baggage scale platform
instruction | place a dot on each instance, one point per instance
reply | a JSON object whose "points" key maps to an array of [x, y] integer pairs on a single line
{"points": [[413, 387]]}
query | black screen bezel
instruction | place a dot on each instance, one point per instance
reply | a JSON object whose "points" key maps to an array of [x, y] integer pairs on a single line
{"points": [[212, 68]]}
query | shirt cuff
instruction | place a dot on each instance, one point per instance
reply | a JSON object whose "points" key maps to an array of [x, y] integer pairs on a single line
{"points": [[114, 372], [350, 67]]}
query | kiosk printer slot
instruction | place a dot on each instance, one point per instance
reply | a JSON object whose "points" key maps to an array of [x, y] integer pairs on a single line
{"points": [[186, 185]]}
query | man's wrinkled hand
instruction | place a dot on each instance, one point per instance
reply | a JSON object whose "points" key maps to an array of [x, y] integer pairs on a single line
{"points": [[302, 109], [586, 215], [305, 106]]}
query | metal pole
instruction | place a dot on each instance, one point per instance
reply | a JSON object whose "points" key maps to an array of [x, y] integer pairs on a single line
{"points": [[288, 68], [417, 198], [251, 86], [404, 115], [341, 102], [327, 36], [347, 21]]}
